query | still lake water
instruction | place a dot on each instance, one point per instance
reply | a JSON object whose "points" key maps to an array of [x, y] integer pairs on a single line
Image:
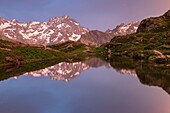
{"points": [[92, 86]]}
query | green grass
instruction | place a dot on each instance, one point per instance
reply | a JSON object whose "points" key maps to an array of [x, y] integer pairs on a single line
{"points": [[34, 53], [140, 45], [31, 54]]}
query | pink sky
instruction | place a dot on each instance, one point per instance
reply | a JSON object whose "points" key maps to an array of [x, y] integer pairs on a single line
{"points": [[94, 14]]}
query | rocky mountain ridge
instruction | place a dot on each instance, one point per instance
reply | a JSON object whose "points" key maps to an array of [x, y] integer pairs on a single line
{"points": [[155, 24], [56, 30], [124, 29], [59, 30], [97, 38]]}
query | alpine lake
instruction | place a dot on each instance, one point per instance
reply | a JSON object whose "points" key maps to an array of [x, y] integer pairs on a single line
{"points": [[120, 85]]}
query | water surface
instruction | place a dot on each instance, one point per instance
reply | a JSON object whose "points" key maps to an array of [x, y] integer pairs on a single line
{"points": [[91, 86]]}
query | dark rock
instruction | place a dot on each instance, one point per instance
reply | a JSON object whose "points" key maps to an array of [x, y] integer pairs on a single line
{"points": [[155, 24], [150, 24], [13, 60], [167, 14]]}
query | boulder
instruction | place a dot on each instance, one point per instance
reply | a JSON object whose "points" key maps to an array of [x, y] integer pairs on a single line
{"points": [[13, 60]]}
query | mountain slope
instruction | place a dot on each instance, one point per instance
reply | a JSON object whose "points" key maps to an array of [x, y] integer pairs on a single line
{"points": [[95, 38], [155, 24], [124, 29], [150, 43], [59, 30], [55, 31], [16, 53]]}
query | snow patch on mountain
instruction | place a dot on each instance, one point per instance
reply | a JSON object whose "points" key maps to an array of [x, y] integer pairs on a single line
{"points": [[56, 30], [124, 29]]}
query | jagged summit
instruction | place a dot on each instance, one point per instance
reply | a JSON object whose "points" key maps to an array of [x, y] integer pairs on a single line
{"points": [[59, 18], [124, 29], [56, 30], [59, 30], [97, 38], [15, 20]]}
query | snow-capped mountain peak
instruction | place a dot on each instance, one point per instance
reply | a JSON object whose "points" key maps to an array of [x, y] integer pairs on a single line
{"points": [[124, 29], [56, 30]]}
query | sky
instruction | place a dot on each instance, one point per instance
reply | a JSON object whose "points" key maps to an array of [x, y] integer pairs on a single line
{"points": [[93, 14]]}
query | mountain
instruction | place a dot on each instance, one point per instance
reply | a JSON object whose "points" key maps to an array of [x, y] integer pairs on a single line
{"points": [[56, 30], [150, 43], [95, 38], [59, 30], [124, 29]]}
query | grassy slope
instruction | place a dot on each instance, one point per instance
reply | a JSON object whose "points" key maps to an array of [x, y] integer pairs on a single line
{"points": [[24, 53], [142, 45], [30, 53]]}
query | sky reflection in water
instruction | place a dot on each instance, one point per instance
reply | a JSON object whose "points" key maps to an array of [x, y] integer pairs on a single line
{"points": [[96, 90]]}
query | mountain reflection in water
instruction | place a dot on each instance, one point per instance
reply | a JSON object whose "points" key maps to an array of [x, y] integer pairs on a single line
{"points": [[66, 71], [93, 86], [148, 74]]}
